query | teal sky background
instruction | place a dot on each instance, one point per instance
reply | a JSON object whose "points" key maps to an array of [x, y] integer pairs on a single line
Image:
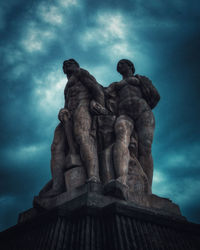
{"points": [[160, 37]]}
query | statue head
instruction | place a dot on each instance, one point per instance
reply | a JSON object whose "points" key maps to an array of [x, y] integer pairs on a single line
{"points": [[125, 67], [70, 66]]}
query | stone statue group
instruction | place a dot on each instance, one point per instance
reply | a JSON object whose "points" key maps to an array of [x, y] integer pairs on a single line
{"points": [[105, 134]]}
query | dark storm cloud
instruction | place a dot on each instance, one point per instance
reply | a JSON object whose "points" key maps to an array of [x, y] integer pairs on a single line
{"points": [[161, 37]]}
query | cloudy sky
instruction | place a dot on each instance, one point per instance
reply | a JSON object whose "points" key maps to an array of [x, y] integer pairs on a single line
{"points": [[160, 37]]}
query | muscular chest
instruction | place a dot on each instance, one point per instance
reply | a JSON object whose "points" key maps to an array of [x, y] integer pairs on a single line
{"points": [[74, 88], [130, 91]]}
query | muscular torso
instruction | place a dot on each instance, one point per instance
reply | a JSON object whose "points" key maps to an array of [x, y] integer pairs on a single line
{"points": [[75, 93], [131, 101]]}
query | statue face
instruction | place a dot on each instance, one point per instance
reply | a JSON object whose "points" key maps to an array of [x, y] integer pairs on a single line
{"points": [[123, 67], [69, 67]]}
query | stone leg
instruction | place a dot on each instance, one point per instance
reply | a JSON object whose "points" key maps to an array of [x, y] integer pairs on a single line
{"points": [[87, 143], [58, 155], [145, 129], [121, 155]]}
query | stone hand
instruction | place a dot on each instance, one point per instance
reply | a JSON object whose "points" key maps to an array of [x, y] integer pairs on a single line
{"points": [[97, 109], [64, 115], [108, 90]]}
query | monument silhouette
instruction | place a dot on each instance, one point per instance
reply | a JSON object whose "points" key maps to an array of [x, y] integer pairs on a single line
{"points": [[100, 195]]}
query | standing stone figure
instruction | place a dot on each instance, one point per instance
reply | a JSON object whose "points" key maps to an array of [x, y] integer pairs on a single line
{"points": [[74, 140], [118, 138], [136, 97]]}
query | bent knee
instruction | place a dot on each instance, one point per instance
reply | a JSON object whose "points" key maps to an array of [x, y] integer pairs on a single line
{"points": [[120, 129], [123, 126]]}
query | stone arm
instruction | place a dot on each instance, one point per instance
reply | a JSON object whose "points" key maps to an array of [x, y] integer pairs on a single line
{"points": [[93, 86], [150, 93], [65, 96], [115, 86]]}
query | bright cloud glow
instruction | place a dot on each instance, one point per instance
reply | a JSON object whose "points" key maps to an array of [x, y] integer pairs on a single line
{"points": [[24, 153], [35, 38], [112, 26], [104, 79], [109, 33], [177, 159], [67, 3], [186, 158], [109, 27], [121, 49], [49, 92], [158, 177], [51, 14], [170, 180], [159, 184]]}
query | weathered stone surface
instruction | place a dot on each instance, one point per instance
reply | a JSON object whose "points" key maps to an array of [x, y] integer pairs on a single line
{"points": [[73, 160], [104, 139], [106, 170], [107, 194], [100, 193], [75, 177], [116, 189], [93, 221]]}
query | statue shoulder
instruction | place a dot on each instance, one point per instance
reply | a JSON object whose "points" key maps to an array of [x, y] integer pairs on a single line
{"points": [[144, 79], [85, 75], [149, 91]]}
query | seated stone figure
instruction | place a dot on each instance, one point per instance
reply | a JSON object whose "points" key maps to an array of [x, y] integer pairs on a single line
{"points": [[135, 97]]}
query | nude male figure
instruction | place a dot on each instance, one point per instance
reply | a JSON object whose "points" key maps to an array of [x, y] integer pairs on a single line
{"points": [[134, 112], [81, 90]]}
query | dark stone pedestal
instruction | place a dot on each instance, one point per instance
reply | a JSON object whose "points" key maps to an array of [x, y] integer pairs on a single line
{"points": [[91, 222]]}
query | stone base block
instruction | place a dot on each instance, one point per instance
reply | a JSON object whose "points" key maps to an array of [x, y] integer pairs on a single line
{"points": [[107, 196], [87, 223]]}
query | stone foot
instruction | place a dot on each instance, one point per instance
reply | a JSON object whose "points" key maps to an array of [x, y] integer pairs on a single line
{"points": [[94, 179], [116, 189]]}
